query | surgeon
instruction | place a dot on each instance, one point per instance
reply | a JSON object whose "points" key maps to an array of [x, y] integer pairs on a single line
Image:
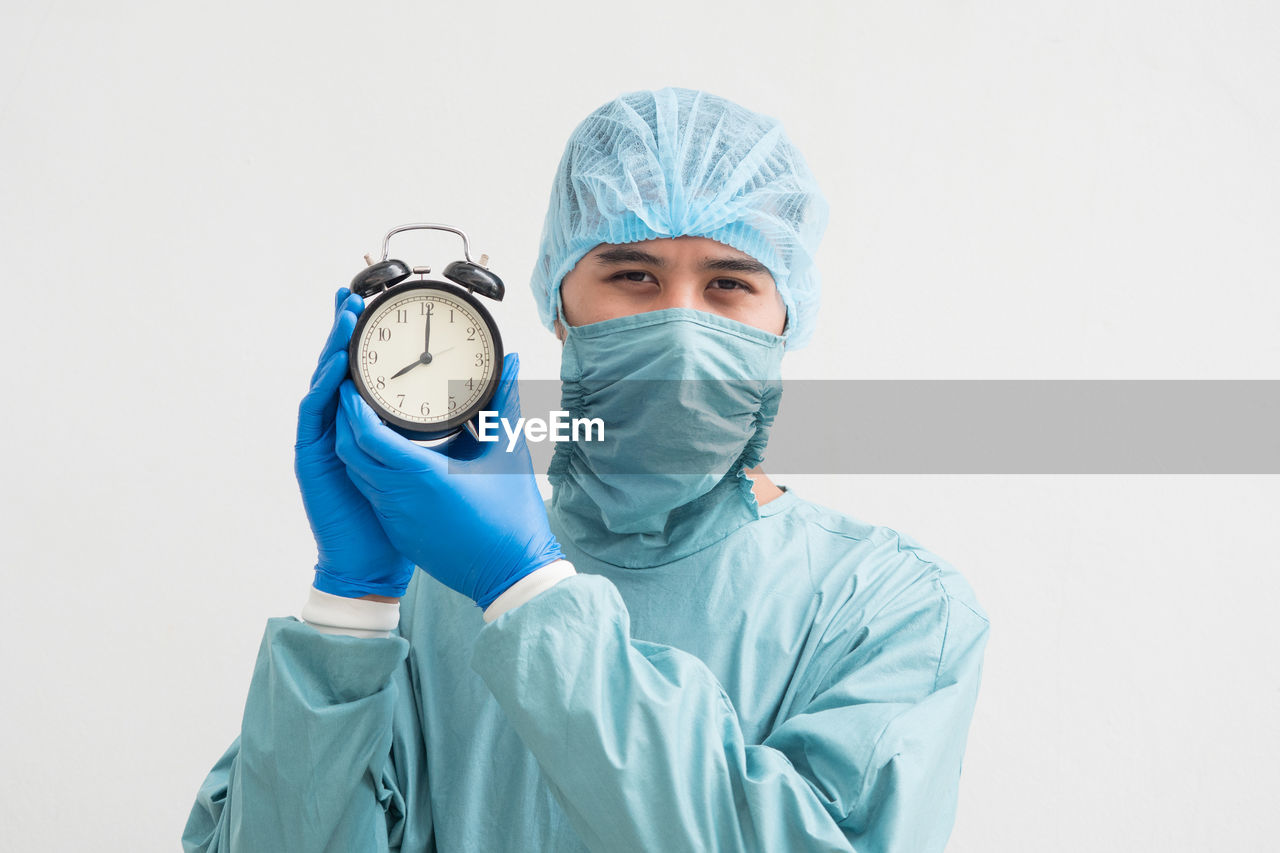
{"points": [[675, 654]]}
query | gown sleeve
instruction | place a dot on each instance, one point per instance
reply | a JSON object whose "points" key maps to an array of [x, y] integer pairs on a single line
{"points": [[644, 751], [314, 768]]}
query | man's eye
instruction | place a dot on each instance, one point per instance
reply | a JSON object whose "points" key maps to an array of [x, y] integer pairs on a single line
{"points": [[730, 284], [630, 275]]}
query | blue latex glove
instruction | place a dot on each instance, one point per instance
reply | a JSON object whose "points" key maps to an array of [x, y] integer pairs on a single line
{"points": [[355, 556], [469, 513]]}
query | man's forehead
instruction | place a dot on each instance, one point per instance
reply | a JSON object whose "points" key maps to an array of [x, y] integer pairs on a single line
{"points": [[664, 245], [710, 254]]}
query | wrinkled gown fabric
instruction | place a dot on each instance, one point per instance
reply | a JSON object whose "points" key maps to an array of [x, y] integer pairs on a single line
{"points": [[805, 683]]}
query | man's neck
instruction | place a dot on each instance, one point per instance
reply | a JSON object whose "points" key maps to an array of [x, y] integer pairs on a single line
{"points": [[762, 487]]}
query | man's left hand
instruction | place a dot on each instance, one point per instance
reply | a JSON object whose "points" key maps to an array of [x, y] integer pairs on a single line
{"points": [[470, 517]]}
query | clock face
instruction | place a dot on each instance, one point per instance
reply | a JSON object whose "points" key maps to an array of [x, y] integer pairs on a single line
{"points": [[425, 358]]}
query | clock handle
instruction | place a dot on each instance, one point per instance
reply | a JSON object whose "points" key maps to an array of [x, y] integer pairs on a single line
{"points": [[429, 226], [474, 277]]}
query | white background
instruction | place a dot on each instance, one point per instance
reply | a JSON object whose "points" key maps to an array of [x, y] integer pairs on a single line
{"points": [[1018, 190]]}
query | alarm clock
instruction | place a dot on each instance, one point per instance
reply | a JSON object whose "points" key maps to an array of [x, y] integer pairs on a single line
{"points": [[425, 354]]}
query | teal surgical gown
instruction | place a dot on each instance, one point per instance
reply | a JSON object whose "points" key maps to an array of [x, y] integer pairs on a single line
{"points": [[805, 683]]}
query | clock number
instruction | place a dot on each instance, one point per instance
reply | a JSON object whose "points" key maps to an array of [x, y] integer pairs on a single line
{"points": [[426, 410], [371, 356], [450, 315], [471, 385], [453, 404], [384, 334], [381, 383], [400, 400], [480, 359], [427, 309], [471, 333], [402, 315]]}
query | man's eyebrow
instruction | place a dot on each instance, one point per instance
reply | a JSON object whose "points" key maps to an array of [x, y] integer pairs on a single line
{"points": [[627, 255], [747, 265]]}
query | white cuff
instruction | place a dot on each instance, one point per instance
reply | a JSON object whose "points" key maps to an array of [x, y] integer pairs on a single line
{"points": [[356, 617], [534, 583]]}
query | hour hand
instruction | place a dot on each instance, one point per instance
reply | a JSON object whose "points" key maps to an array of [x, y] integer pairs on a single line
{"points": [[425, 358], [402, 371]]}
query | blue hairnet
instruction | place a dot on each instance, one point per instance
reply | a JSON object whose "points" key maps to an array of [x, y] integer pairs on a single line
{"points": [[678, 162]]}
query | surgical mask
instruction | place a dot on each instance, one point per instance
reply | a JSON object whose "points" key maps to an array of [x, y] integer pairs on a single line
{"points": [[686, 399]]}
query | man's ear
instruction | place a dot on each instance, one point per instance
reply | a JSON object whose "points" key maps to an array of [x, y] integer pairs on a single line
{"points": [[560, 332]]}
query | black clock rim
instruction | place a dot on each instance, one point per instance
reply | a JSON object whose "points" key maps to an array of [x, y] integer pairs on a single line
{"points": [[409, 429]]}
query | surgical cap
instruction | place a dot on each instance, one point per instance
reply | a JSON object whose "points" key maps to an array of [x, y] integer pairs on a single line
{"points": [[678, 162]]}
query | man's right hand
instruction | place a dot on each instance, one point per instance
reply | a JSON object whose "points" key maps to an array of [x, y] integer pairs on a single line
{"points": [[355, 557]]}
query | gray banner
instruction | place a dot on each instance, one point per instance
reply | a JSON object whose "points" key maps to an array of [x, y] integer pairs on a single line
{"points": [[994, 426]]}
